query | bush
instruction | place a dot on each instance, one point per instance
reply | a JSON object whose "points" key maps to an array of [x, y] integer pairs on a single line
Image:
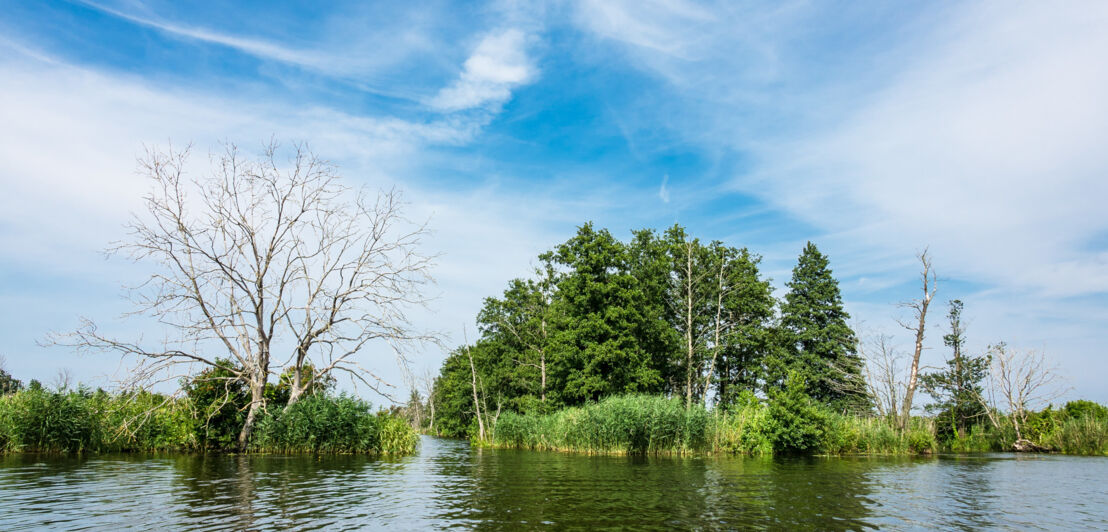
{"points": [[322, 424], [795, 424]]}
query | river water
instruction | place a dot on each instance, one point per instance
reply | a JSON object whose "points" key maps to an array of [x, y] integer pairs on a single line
{"points": [[450, 485]]}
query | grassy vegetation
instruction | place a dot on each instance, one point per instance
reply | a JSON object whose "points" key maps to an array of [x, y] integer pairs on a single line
{"points": [[77, 421], [784, 424]]}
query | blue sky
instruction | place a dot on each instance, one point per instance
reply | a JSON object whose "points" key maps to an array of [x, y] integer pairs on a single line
{"points": [[874, 130]]}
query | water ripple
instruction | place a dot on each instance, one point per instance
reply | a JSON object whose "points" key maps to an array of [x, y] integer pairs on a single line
{"points": [[450, 485]]}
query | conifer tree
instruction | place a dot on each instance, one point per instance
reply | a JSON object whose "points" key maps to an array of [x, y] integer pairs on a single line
{"points": [[816, 341]]}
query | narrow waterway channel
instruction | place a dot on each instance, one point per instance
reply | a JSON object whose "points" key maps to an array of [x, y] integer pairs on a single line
{"points": [[450, 485]]}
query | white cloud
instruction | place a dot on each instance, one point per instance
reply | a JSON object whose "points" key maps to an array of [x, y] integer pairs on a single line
{"points": [[663, 191], [498, 64], [988, 148]]}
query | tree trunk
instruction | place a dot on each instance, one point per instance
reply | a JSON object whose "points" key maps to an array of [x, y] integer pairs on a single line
{"points": [[688, 326], [920, 307], [476, 402], [257, 401]]}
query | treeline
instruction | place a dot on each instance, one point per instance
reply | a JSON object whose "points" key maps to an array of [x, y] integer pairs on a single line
{"points": [[663, 314], [208, 417], [669, 344]]}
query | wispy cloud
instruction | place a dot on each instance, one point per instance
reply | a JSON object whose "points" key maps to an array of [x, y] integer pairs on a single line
{"points": [[256, 47], [498, 64], [663, 191]]}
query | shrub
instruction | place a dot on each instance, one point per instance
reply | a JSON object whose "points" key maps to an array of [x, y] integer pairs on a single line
{"points": [[795, 424], [322, 424]]}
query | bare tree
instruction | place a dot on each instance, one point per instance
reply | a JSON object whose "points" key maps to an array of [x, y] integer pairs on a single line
{"points": [[919, 308], [63, 379], [266, 254], [476, 401], [1024, 381], [427, 383], [883, 370]]}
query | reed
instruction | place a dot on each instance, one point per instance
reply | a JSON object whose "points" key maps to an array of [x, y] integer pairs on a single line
{"points": [[633, 424]]}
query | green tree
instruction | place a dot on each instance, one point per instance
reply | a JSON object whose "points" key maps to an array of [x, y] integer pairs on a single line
{"points": [[957, 389], [9, 384], [816, 340], [743, 319], [611, 326]]}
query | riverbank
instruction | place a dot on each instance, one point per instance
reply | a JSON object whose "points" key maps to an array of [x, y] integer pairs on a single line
{"points": [[656, 425], [86, 421]]}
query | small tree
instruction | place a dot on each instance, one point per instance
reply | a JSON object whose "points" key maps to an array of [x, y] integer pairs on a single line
{"points": [[884, 366], [956, 388]]}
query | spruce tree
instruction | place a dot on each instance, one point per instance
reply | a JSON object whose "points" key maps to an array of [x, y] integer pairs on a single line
{"points": [[816, 341]]}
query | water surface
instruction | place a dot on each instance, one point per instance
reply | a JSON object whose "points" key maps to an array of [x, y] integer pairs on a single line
{"points": [[450, 485]]}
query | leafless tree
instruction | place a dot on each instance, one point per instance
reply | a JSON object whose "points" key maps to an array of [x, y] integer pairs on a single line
{"points": [[884, 380], [63, 379], [269, 254], [1023, 380], [427, 384], [918, 326]]}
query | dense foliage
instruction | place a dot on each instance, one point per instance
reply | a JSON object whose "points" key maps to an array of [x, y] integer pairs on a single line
{"points": [[663, 314]]}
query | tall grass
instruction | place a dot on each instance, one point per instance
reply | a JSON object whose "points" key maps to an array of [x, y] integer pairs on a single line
{"points": [[38, 420], [79, 421], [626, 424], [655, 425]]}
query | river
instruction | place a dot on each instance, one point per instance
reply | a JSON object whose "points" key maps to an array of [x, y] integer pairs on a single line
{"points": [[450, 485]]}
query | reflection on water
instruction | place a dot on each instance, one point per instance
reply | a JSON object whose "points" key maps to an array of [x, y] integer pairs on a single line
{"points": [[449, 485]]}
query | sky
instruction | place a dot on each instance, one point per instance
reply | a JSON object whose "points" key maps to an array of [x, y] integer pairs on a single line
{"points": [[873, 129]]}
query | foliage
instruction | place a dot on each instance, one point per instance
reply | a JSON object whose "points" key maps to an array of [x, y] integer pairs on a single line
{"points": [[633, 424], [221, 399], [9, 384], [602, 317], [38, 420], [789, 423]]}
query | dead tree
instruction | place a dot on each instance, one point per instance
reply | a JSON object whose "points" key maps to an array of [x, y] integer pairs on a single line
{"points": [[883, 369], [263, 253], [1023, 380], [919, 309]]}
